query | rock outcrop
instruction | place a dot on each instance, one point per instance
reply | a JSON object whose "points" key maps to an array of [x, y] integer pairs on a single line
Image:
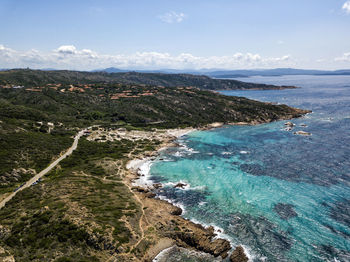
{"points": [[238, 255], [201, 239]]}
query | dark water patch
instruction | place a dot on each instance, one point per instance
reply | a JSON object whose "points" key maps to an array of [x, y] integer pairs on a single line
{"points": [[338, 232], [285, 211], [331, 253], [340, 211], [157, 178], [260, 232], [254, 169], [187, 197]]}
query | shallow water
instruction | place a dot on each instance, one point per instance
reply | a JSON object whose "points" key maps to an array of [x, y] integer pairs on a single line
{"points": [[285, 197]]}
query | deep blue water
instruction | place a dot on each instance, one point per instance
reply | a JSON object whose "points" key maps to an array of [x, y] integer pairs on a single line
{"points": [[285, 197]]}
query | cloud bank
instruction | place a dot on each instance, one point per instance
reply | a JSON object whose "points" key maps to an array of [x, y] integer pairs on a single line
{"points": [[69, 57], [344, 58], [346, 7]]}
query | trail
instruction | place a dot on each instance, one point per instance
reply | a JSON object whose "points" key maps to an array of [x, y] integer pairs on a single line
{"points": [[46, 170]]}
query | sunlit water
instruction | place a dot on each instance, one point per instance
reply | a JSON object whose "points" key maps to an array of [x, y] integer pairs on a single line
{"points": [[284, 197]]}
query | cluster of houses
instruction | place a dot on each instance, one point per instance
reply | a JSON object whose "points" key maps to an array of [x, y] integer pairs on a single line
{"points": [[129, 94], [11, 86]]}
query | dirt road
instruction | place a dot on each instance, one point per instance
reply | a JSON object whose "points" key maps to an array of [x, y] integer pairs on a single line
{"points": [[46, 170]]}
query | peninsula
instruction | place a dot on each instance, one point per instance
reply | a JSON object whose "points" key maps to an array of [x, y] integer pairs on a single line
{"points": [[86, 207]]}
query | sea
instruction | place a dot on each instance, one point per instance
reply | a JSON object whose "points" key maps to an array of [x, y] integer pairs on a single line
{"points": [[282, 196]]}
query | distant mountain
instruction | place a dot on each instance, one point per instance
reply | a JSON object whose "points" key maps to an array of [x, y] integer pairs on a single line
{"points": [[110, 70], [217, 73], [273, 72]]}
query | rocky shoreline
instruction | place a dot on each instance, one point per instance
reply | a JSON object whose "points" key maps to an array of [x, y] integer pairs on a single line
{"points": [[166, 218]]}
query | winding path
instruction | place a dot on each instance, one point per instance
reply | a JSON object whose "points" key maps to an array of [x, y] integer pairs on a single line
{"points": [[46, 170]]}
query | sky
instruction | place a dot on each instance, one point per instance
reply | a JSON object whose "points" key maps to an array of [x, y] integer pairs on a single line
{"points": [[175, 34]]}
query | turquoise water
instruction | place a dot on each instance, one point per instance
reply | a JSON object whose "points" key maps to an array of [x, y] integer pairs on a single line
{"points": [[284, 197]]}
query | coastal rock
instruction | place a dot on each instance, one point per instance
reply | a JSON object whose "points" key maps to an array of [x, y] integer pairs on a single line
{"points": [[180, 185], [177, 211], [202, 240], [157, 185], [150, 194], [238, 255], [302, 133], [289, 124], [140, 189], [285, 211]]}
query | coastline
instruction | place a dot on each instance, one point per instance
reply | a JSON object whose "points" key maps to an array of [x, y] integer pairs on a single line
{"points": [[138, 172], [212, 237]]}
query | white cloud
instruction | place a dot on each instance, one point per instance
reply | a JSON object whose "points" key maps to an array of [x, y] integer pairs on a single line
{"points": [[344, 58], [172, 17], [69, 57], [346, 7], [67, 49]]}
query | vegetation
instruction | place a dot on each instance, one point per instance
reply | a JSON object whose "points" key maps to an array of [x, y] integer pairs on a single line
{"points": [[23, 147], [30, 78], [137, 105], [76, 213]]}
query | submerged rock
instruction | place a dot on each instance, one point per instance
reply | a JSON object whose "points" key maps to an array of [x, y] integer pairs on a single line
{"points": [[285, 211], [238, 255]]}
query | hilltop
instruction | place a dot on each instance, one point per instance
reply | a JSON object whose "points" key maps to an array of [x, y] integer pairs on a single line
{"points": [[31, 78]]}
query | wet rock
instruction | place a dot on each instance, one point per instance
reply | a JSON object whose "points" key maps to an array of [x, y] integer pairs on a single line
{"points": [[238, 255], [180, 185], [285, 211], [157, 185]]}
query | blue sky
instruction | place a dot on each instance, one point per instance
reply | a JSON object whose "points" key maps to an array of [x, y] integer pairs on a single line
{"points": [[192, 34]]}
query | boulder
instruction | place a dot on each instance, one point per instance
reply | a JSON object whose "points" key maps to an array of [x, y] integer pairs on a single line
{"points": [[238, 255], [150, 194], [157, 185], [140, 189], [180, 185], [176, 211]]}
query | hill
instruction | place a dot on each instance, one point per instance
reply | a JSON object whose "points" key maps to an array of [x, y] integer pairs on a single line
{"points": [[32, 78], [86, 209]]}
